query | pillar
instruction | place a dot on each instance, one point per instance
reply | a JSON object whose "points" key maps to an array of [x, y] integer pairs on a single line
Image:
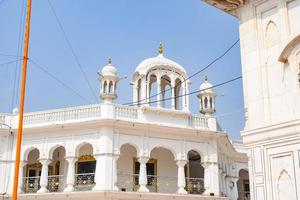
{"points": [[206, 178], [115, 173], [173, 92], [44, 176], [143, 174], [158, 80], [181, 176], [21, 174], [98, 173], [70, 174], [234, 188]]}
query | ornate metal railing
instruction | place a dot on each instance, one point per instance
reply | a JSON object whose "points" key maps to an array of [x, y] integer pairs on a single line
{"points": [[244, 195], [55, 183], [63, 114], [129, 112], [31, 184], [195, 185], [84, 182]]}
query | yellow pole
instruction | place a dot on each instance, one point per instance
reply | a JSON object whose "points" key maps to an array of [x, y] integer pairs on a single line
{"points": [[22, 98]]}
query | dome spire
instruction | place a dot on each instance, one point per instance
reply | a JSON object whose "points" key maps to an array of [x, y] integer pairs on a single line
{"points": [[161, 48], [109, 61]]}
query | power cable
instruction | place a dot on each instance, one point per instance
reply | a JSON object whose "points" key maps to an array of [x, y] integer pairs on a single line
{"points": [[10, 62], [59, 81], [72, 50], [194, 92], [193, 75], [9, 55]]}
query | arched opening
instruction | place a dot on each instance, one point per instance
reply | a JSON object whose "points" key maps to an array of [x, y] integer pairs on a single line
{"points": [[243, 185], [153, 92], [162, 171], [105, 87], [166, 89], [85, 168], [57, 169], [194, 173], [31, 181], [205, 102], [110, 87], [127, 177], [178, 93]]}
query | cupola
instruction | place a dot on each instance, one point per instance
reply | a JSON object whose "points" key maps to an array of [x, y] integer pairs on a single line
{"points": [[207, 98], [108, 82]]}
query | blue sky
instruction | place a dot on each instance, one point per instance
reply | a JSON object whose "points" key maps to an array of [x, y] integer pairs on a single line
{"points": [[193, 34]]}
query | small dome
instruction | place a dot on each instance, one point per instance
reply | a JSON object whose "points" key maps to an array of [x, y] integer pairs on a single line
{"points": [[204, 86], [109, 70], [158, 61]]}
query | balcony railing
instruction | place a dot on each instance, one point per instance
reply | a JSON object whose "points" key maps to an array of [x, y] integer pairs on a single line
{"points": [[56, 183], [31, 184], [161, 184], [195, 185], [84, 182]]}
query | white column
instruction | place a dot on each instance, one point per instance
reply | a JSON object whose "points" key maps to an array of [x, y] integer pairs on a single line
{"points": [[21, 174], [143, 91], [143, 174], [184, 97], [206, 178], [173, 92], [214, 178], [71, 174], [158, 80], [44, 176], [98, 173], [234, 188], [115, 171], [181, 176]]}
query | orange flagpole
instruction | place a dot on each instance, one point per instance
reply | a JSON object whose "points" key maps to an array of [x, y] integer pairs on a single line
{"points": [[22, 98]]}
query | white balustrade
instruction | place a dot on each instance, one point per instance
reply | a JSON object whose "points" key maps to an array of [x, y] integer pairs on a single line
{"points": [[63, 115], [126, 112], [198, 122]]}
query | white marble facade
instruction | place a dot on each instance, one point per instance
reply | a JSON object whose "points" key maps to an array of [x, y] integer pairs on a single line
{"points": [[270, 51], [141, 151]]}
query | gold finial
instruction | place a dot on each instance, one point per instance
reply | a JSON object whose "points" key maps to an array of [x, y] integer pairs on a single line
{"points": [[205, 78], [161, 48], [109, 61]]}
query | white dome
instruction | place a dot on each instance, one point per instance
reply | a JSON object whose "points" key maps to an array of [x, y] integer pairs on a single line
{"points": [[204, 86], [159, 60], [109, 70]]}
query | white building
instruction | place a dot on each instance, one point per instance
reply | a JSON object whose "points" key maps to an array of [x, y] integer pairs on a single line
{"points": [[270, 50], [143, 151]]}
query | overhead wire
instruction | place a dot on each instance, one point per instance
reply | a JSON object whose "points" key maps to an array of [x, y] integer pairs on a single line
{"points": [[72, 51], [43, 69], [193, 75], [16, 83], [194, 92], [10, 62]]}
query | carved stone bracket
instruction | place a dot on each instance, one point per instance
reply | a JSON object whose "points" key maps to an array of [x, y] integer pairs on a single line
{"points": [[226, 5]]}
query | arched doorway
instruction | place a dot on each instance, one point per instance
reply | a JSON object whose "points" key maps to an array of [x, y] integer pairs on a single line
{"points": [[127, 178], [243, 185], [194, 173], [33, 169], [85, 168], [162, 171], [56, 170]]}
